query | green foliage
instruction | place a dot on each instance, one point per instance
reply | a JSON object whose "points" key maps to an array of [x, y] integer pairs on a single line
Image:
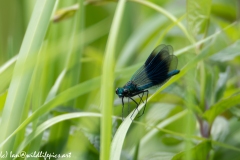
{"points": [[198, 15], [19, 86], [199, 152], [62, 60], [220, 107]]}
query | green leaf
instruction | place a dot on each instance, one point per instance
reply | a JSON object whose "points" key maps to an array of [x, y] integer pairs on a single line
{"points": [[220, 107], [94, 32], [65, 96], [52, 122], [199, 152], [221, 84], [19, 86], [107, 82], [198, 15], [209, 86], [228, 53], [120, 135]]}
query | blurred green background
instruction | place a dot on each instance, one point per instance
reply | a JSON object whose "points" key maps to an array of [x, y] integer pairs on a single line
{"points": [[61, 60]]}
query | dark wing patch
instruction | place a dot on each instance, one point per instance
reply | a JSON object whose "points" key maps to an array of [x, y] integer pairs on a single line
{"points": [[156, 68], [163, 50], [158, 72]]}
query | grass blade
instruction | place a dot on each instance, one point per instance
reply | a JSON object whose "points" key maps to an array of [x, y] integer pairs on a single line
{"points": [[108, 83], [59, 133], [168, 15], [52, 122], [19, 86], [59, 99]]}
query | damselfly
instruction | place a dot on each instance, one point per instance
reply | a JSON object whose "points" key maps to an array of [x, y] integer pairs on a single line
{"points": [[158, 68]]}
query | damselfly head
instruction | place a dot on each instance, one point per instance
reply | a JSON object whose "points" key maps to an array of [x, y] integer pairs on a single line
{"points": [[121, 92]]}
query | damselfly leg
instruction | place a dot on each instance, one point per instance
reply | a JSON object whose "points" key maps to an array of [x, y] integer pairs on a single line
{"points": [[141, 99]]}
